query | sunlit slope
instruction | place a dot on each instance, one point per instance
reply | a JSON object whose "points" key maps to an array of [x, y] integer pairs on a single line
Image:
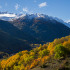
{"points": [[39, 58]]}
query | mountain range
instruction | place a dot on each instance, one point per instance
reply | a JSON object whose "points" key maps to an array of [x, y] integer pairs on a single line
{"points": [[42, 27], [11, 16], [24, 30]]}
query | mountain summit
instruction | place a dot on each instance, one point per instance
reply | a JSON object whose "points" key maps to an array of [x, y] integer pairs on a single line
{"points": [[12, 16], [43, 27]]}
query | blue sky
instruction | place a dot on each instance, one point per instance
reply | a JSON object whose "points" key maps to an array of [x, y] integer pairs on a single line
{"points": [[56, 8]]}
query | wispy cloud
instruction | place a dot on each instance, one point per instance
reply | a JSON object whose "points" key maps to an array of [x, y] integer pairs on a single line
{"points": [[7, 15], [17, 6], [25, 9], [42, 4]]}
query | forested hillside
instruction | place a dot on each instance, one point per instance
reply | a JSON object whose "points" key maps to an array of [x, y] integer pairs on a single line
{"points": [[53, 55]]}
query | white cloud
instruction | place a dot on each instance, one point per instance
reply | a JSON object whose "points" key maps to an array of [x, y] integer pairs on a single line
{"points": [[7, 15], [16, 6], [68, 21], [25, 9], [43, 4]]}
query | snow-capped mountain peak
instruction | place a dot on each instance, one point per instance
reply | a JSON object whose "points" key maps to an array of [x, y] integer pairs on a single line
{"points": [[37, 15], [11, 16]]}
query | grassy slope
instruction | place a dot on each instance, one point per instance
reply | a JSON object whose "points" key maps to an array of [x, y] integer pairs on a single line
{"points": [[53, 64]]}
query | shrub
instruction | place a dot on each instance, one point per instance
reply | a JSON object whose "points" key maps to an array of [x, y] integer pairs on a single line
{"points": [[66, 44], [60, 51], [43, 53]]}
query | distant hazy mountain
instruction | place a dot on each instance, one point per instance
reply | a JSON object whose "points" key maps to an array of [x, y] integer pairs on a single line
{"points": [[69, 24], [61, 21]]}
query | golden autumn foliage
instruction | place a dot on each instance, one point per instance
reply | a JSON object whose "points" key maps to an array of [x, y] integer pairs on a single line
{"points": [[26, 60], [51, 48], [66, 44], [10, 62]]}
